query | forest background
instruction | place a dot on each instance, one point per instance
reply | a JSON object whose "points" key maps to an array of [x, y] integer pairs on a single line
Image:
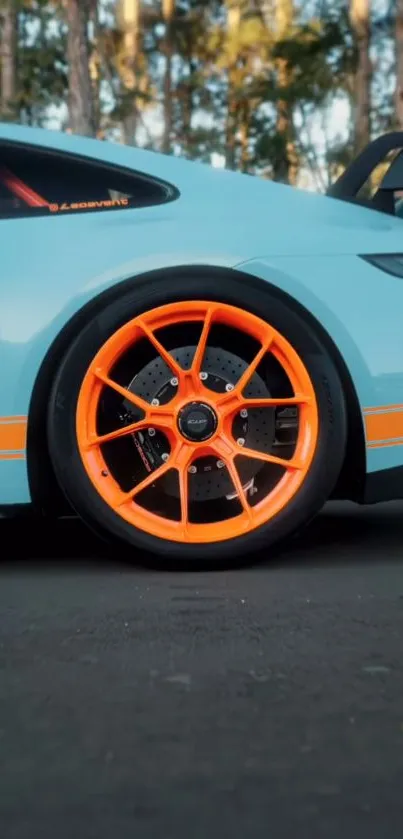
{"points": [[289, 90]]}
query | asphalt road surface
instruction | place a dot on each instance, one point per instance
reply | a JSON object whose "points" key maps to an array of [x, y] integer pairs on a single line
{"points": [[263, 703]]}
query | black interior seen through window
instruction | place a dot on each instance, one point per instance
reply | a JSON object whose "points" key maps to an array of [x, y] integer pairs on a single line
{"points": [[34, 181]]}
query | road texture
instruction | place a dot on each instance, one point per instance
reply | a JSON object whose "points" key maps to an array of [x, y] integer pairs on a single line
{"points": [[263, 703]]}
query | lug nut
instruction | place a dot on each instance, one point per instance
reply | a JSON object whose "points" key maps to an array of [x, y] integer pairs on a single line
{"points": [[174, 382], [151, 432], [192, 470], [241, 441], [203, 376], [244, 413], [155, 403], [229, 387], [220, 464], [165, 457]]}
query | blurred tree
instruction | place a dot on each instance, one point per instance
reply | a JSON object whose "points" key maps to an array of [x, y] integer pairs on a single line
{"points": [[95, 68], [123, 66], [193, 27], [360, 18], [281, 88], [127, 61], [399, 63], [36, 48], [8, 59], [80, 96], [234, 79], [285, 167], [168, 16], [239, 53]]}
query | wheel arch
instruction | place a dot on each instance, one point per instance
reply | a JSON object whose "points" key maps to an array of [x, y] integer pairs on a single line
{"points": [[45, 492]]}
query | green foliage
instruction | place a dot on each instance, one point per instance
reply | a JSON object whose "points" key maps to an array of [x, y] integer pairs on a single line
{"points": [[41, 68]]}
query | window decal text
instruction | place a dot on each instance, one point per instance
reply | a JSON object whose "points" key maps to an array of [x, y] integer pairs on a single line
{"points": [[88, 205]]}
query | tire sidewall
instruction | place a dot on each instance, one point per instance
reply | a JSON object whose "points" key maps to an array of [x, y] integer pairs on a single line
{"points": [[330, 449]]}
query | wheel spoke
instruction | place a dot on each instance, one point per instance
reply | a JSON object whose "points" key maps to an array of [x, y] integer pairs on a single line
{"points": [[162, 420], [249, 372], [233, 472], [123, 391], [226, 450], [164, 353], [99, 440], [146, 482], [184, 496], [292, 464], [182, 455], [202, 344], [224, 447]]}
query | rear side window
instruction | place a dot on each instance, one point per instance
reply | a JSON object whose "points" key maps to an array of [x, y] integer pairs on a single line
{"points": [[36, 182]]}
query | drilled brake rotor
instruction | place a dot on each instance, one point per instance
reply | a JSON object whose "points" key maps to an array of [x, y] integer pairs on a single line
{"points": [[221, 368]]}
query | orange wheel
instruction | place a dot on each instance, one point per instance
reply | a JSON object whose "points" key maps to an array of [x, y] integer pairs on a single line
{"points": [[196, 424]]}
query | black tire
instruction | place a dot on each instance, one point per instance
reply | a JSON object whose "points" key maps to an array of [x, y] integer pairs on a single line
{"points": [[235, 290]]}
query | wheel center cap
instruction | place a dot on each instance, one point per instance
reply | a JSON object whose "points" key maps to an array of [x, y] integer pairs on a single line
{"points": [[197, 422]]}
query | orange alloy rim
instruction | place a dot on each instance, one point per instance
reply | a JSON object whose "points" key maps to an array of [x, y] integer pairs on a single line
{"points": [[193, 401]]}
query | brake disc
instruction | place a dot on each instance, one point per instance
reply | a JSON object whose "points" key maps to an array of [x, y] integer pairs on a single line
{"points": [[221, 368]]}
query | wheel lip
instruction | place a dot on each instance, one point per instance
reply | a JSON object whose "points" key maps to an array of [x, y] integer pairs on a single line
{"points": [[171, 314]]}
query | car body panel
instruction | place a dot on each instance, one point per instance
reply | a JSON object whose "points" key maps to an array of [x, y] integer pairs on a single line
{"points": [[306, 245], [363, 318]]}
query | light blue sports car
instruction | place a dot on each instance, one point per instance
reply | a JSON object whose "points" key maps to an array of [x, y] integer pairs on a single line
{"points": [[192, 360]]}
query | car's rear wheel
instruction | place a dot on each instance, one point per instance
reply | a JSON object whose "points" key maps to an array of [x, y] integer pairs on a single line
{"points": [[197, 420]]}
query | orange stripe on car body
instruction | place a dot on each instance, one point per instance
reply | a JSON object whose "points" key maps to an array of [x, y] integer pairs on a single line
{"points": [[384, 426], [13, 437], [381, 409], [385, 444], [12, 455]]}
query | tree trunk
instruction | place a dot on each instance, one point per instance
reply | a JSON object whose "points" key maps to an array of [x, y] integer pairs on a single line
{"points": [[399, 63], [8, 60], [244, 136], [128, 16], [168, 13], [81, 106], [286, 164], [95, 67], [185, 95], [231, 128], [360, 21]]}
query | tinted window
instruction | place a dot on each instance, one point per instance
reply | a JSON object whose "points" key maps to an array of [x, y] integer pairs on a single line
{"points": [[40, 183]]}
